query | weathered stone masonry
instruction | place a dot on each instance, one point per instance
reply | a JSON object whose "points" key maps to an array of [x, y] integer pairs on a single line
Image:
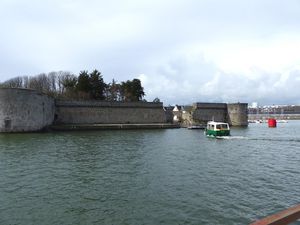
{"points": [[200, 113], [24, 110], [98, 112]]}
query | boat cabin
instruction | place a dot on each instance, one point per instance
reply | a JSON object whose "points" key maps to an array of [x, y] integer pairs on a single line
{"points": [[217, 126], [217, 129]]}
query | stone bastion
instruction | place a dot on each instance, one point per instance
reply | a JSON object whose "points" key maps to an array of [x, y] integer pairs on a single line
{"points": [[25, 110]]}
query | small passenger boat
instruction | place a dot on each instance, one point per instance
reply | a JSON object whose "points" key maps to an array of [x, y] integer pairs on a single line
{"points": [[217, 129]]}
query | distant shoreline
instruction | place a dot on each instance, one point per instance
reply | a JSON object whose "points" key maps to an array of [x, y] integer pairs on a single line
{"points": [[276, 116]]}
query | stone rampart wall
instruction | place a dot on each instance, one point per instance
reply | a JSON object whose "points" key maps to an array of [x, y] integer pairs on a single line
{"points": [[24, 110], [207, 105], [93, 103], [238, 114], [204, 112], [235, 114], [101, 112]]}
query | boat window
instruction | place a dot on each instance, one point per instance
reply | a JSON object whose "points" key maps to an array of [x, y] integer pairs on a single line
{"points": [[224, 126], [219, 126]]}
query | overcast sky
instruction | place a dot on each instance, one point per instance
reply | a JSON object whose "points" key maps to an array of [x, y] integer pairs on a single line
{"points": [[183, 51]]}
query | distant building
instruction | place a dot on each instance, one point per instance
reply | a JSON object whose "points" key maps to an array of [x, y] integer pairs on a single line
{"points": [[275, 111]]}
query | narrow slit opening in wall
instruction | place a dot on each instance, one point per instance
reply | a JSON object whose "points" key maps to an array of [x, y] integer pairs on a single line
{"points": [[7, 123]]}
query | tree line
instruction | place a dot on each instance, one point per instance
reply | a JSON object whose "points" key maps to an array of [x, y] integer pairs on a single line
{"points": [[87, 86]]}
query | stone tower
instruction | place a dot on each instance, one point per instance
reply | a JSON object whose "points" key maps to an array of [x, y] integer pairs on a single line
{"points": [[238, 114]]}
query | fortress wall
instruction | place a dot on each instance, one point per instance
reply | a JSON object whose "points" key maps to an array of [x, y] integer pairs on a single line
{"points": [[238, 114], [101, 112], [23, 110], [235, 114], [204, 112], [207, 105], [169, 115]]}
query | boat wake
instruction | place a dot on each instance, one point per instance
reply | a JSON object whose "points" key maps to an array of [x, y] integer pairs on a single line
{"points": [[231, 137], [279, 139], [258, 139]]}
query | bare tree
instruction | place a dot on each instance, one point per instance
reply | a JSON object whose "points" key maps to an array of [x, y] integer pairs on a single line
{"points": [[13, 83], [52, 78]]}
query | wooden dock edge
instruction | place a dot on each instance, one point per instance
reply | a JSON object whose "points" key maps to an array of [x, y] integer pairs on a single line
{"points": [[281, 218]]}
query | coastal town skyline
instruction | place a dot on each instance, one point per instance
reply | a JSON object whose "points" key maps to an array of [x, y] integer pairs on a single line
{"points": [[183, 52]]}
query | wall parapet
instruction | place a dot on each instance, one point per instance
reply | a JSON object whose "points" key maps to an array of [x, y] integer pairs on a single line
{"points": [[23, 90], [94, 103], [208, 105]]}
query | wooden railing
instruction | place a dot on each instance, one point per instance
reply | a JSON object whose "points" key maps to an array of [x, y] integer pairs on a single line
{"points": [[281, 218]]}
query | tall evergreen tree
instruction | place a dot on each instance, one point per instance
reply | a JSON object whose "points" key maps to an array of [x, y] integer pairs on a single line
{"points": [[97, 85], [138, 90], [132, 90], [83, 83]]}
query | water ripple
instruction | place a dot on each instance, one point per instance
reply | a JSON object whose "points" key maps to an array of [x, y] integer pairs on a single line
{"points": [[148, 176]]}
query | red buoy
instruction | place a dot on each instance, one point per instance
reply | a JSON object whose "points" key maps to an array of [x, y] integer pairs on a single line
{"points": [[272, 122]]}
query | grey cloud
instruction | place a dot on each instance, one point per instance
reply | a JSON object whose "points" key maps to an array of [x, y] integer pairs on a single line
{"points": [[124, 39], [177, 83]]}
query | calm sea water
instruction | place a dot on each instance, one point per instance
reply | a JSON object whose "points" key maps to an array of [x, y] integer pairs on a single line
{"points": [[175, 176]]}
